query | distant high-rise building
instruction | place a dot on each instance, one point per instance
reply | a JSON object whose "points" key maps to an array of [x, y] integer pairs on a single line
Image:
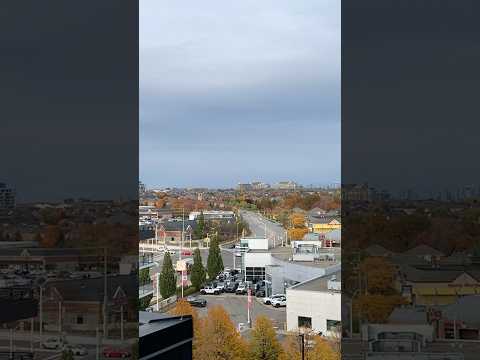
{"points": [[141, 188], [7, 198], [287, 185], [258, 185], [244, 186]]}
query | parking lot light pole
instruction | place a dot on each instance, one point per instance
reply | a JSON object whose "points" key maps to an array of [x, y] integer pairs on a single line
{"points": [[158, 291]]}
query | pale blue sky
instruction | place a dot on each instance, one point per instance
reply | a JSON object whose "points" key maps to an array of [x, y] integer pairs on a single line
{"points": [[238, 91]]}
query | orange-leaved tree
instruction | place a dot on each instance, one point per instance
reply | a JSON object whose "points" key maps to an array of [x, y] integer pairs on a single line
{"points": [[298, 228], [219, 339], [376, 308], [264, 344], [379, 273]]}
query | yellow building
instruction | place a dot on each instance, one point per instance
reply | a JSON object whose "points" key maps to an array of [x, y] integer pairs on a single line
{"points": [[323, 224], [436, 287]]}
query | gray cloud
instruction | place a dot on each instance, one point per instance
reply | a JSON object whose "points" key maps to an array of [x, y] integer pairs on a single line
{"points": [[231, 92]]}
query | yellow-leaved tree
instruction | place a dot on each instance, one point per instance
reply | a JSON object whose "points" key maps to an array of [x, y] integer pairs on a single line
{"points": [[379, 273], [219, 339], [376, 308], [264, 344], [315, 347], [298, 228]]}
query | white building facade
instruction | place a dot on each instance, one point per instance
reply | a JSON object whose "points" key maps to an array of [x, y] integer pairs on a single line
{"points": [[315, 304]]}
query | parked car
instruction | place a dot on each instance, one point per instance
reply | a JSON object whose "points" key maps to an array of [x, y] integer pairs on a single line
{"points": [[187, 253], [209, 289], [53, 343], [231, 287], [116, 353], [280, 301], [268, 300], [241, 289], [171, 251], [220, 286], [77, 350], [234, 272], [196, 301], [260, 292]]}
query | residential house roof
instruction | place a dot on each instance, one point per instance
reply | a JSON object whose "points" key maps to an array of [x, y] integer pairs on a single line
{"points": [[93, 289], [178, 225], [423, 250]]}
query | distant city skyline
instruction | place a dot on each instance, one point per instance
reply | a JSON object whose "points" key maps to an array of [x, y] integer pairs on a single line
{"points": [[236, 91]]}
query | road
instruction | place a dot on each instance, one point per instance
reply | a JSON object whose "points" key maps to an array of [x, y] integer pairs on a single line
{"points": [[44, 354], [261, 226]]}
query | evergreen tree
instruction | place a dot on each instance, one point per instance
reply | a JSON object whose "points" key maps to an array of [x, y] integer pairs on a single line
{"points": [[214, 261], [200, 229], [264, 344], [144, 302], [168, 285], [144, 276], [198, 275]]}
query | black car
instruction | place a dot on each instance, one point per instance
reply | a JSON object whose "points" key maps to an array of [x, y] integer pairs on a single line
{"points": [[260, 292], [196, 301], [231, 287]]}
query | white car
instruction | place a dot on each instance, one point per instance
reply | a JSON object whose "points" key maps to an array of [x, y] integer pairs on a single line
{"points": [[268, 300], [171, 252], [53, 343], [278, 302], [241, 289], [77, 350], [209, 289], [220, 286]]}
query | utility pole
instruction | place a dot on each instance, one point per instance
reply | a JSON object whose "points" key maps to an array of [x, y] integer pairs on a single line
{"points": [[41, 314], [302, 345], [98, 343], [121, 322], [105, 295]]}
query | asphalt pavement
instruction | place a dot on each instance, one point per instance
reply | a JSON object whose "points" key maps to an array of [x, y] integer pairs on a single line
{"points": [[236, 307]]}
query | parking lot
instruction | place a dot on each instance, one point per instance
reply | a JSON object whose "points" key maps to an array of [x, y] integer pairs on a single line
{"points": [[236, 307]]}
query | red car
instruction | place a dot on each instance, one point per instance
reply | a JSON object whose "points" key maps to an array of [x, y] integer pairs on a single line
{"points": [[187, 253], [116, 353]]}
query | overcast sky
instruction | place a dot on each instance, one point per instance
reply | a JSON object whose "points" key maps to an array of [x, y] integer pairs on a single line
{"points": [[238, 91]]}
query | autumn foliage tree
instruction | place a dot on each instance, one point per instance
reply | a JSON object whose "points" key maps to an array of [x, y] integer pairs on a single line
{"points": [[51, 236], [376, 308], [379, 274], [264, 344], [219, 339], [379, 297], [316, 348], [298, 228]]}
